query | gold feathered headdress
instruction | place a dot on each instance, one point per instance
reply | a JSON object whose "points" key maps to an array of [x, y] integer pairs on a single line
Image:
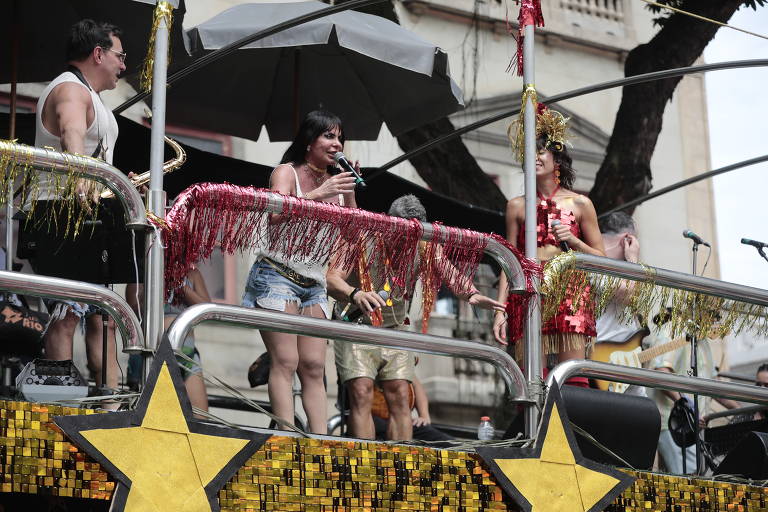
{"points": [[550, 123]]}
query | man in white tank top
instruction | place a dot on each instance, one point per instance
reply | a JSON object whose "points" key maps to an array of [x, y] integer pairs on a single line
{"points": [[71, 117]]}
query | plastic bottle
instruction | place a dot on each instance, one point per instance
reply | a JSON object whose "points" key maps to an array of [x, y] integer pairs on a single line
{"points": [[485, 430]]}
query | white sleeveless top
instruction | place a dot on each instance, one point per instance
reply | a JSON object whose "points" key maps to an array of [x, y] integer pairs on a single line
{"points": [[104, 128], [310, 269]]}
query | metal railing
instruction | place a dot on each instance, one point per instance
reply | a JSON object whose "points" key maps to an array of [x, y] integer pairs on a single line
{"points": [[126, 321], [49, 160], [348, 332], [656, 379], [671, 279]]}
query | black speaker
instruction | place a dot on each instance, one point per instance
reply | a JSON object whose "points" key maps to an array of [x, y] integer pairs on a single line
{"points": [[628, 425], [749, 458]]}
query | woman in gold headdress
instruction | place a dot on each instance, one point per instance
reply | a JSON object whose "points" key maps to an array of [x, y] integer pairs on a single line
{"points": [[570, 331]]}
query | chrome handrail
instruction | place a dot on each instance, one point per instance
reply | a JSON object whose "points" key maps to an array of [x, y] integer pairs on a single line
{"points": [[672, 279], [349, 332], [126, 321], [49, 160], [656, 379]]}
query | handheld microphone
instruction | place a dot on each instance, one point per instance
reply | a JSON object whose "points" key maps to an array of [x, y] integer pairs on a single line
{"points": [[353, 316], [687, 233], [563, 244], [754, 243], [342, 161]]}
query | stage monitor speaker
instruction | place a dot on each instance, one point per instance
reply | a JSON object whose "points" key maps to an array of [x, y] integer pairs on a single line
{"points": [[628, 425], [749, 458], [43, 380]]}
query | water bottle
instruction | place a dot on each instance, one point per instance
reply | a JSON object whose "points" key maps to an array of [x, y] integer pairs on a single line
{"points": [[485, 430]]}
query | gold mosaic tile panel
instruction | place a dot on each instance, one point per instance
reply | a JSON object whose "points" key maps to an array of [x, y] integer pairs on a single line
{"points": [[36, 459], [310, 475]]}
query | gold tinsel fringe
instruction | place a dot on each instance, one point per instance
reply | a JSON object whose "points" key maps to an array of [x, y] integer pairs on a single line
{"points": [[557, 343], [163, 10], [692, 313], [17, 170], [516, 130]]}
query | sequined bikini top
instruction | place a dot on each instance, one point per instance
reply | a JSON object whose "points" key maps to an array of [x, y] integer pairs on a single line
{"points": [[548, 210]]}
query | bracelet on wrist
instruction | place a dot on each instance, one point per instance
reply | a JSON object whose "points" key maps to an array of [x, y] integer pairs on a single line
{"points": [[352, 294]]}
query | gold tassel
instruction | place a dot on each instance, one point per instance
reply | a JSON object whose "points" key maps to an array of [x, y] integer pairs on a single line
{"points": [[704, 316], [163, 10], [16, 163], [516, 130]]}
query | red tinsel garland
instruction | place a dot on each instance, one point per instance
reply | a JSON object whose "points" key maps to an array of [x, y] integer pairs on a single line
{"points": [[530, 14], [210, 214]]}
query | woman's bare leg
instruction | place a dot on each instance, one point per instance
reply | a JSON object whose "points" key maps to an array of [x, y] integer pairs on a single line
{"points": [[283, 349], [311, 369], [198, 396]]}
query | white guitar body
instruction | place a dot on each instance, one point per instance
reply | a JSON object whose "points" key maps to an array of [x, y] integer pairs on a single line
{"points": [[624, 358]]}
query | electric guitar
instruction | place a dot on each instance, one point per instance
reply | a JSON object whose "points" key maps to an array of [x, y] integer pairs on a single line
{"points": [[629, 353]]}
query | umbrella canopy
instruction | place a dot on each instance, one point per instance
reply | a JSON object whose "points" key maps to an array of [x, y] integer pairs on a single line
{"points": [[363, 68], [42, 27], [132, 154]]}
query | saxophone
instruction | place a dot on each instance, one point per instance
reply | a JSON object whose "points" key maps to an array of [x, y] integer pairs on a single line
{"points": [[169, 166]]}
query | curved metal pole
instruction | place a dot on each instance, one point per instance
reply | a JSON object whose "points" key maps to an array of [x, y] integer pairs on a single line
{"points": [[43, 286], [226, 50], [656, 379], [348, 332], [48, 160], [671, 279], [686, 182], [633, 80], [275, 203]]}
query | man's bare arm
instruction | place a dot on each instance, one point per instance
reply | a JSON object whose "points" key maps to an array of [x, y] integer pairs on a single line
{"points": [[71, 105]]}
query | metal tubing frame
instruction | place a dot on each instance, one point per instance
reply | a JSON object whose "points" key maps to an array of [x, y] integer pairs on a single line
{"points": [[656, 379], [42, 286], [672, 279], [349, 332], [48, 160], [532, 348], [154, 286]]}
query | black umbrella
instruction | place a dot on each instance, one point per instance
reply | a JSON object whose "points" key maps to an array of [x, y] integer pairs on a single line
{"points": [[364, 68], [38, 29], [132, 154]]}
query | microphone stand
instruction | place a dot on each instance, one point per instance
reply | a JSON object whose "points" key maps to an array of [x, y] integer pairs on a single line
{"points": [[762, 253], [695, 373]]}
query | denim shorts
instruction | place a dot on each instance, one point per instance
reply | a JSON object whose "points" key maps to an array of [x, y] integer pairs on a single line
{"points": [[267, 289]]}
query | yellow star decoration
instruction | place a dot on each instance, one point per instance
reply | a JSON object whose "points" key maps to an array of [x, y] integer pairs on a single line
{"points": [[164, 460], [553, 476]]}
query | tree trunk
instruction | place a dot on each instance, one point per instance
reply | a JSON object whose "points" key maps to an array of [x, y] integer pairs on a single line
{"points": [[625, 173], [449, 169]]}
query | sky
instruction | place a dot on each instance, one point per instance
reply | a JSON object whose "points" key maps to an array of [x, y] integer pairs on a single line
{"points": [[737, 105]]}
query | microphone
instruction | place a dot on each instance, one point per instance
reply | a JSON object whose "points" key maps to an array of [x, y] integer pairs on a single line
{"points": [[342, 161], [754, 243], [687, 233], [353, 316], [563, 244]]}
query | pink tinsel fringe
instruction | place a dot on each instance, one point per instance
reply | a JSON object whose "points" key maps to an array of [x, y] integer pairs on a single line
{"points": [[208, 215]]}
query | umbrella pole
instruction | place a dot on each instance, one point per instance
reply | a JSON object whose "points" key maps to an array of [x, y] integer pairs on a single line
{"points": [[11, 136], [154, 285], [533, 369]]}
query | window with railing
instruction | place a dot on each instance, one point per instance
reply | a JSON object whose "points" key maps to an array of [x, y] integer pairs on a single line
{"points": [[606, 9]]}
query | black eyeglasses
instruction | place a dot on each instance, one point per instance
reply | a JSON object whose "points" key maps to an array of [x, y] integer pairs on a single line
{"points": [[120, 55]]}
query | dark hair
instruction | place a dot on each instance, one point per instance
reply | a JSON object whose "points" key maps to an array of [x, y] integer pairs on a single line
{"points": [[562, 158], [85, 35], [762, 368], [408, 207], [617, 222], [316, 122]]}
